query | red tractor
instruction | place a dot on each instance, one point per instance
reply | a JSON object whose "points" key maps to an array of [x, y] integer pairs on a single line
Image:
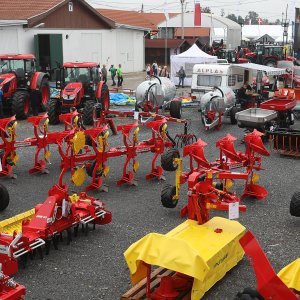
{"points": [[268, 55], [80, 87], [19, 81], [231, 55]]}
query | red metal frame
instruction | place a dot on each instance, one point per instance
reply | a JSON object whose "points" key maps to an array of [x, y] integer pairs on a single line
{"points": [[10, 290], [269, 285]]}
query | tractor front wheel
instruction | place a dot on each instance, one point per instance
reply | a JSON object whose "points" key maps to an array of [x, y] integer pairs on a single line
{"points": [[87, 115], [295, 205], [176, 109], [54, 111], [167, 194], [4, 197], [20, 104], [45, 94], [168, 159]]}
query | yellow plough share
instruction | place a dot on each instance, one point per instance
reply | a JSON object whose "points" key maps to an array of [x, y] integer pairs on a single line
{"points": [[205, 252]]}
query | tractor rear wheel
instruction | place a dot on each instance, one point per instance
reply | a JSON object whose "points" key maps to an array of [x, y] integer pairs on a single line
{"points": [[54, 111], [233, 111], [4, 197], [295, 205], [167, 159], [87, 114], [176, 109], [167, 194], [20, 104], [104, 98], [45, 94], [249, 294]]}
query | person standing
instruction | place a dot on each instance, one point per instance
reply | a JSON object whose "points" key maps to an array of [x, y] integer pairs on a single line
{"points": [[181, 75], [113, 72], [148, 68], [155, 68], [120, 75], [164, 72], [104, 73]]}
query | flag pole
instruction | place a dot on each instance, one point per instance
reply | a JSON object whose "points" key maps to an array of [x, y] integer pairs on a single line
{"points": [[166, 43]]}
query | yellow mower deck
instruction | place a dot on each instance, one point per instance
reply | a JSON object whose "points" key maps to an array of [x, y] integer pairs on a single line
{"points": [[205, 252], [10, 225]]}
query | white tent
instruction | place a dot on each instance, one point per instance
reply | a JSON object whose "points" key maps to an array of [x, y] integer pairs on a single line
{"points": [[188, 59]]}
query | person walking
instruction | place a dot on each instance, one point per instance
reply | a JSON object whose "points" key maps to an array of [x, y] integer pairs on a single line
{"points": [[181, 75], [155, 68], [148, 68], [120, 75], [104, 73], [113, 72]]}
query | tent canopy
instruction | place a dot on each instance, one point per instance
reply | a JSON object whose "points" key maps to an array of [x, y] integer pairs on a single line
{"points": [[188, 59], [268, 70]]}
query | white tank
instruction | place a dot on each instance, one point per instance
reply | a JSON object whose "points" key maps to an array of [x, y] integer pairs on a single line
{"points": [[218, 100], [158, 90]]}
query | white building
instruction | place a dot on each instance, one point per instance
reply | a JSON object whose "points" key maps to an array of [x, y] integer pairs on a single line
{"points": [[64, 30]]}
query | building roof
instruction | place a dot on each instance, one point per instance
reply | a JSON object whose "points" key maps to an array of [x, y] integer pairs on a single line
{"points": [[32, 10], [25, 9], [149, 21], [160, 43]]}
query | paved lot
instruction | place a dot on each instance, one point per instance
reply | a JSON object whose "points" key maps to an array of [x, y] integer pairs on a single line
{"points": [[93, 267]]}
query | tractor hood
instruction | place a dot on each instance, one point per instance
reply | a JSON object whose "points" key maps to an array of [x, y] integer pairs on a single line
{"points": [[72, 89], [250, 54]]}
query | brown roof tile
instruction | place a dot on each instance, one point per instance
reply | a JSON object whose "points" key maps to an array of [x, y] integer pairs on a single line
{"points": [[192, 31], [24, 9], [134, 18]]}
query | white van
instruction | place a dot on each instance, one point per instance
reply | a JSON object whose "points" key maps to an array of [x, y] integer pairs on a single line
{"points": [[207, 76]]}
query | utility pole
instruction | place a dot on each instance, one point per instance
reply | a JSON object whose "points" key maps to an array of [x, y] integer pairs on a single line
{"points": [[182, 19]]}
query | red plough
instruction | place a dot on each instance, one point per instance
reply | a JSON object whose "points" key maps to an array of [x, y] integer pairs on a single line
{"points": [[216, 178]]}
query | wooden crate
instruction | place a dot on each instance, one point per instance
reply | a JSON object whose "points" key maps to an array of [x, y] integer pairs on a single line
{"points": [[138, 292]]}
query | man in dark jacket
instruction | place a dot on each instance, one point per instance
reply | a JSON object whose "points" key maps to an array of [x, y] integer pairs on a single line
{"points": [[104, 73], [181, 75]]}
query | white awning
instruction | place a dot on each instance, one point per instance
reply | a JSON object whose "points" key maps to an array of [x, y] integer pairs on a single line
{"points": [[268, 70]]}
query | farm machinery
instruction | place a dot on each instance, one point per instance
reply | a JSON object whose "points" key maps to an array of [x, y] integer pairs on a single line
{"points": [[10, 289], [93, 144], [275, 117], [80, 87], [24, 89], [217, 177]]}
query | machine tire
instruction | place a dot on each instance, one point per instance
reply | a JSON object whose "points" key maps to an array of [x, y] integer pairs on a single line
{"points": [[233, 111], [167, 159], [176, 109], [295, 205], [53, 111], [20, 104], [45, 94], [87, 114], [104, 98], [167, 194], [4, 197]]}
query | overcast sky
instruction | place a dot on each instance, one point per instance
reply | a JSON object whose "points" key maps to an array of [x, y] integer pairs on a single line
{"points": [[268, 9]]}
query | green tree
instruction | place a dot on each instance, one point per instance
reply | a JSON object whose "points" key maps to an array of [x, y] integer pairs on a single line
{"points": [[232, 17], [265, 21], [252, 15], [277, 22], [240, 20]]}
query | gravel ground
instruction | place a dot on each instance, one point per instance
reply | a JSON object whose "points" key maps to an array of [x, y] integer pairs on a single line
{"points": [[93, 267]]}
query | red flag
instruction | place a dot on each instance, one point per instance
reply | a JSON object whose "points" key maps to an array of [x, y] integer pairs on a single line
{"points": [[260, 21], [197, 16]]}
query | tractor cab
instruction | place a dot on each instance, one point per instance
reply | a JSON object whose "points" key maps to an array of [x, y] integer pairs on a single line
{"points": [[269, 55], [77, 81], [17, 69]]}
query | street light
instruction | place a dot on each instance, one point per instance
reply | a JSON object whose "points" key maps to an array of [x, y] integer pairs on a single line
{"points": [[285, 24]]}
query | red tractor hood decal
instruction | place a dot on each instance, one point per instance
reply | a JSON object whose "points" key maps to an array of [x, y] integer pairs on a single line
{"points": [[4, 78], [72, 88]]}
